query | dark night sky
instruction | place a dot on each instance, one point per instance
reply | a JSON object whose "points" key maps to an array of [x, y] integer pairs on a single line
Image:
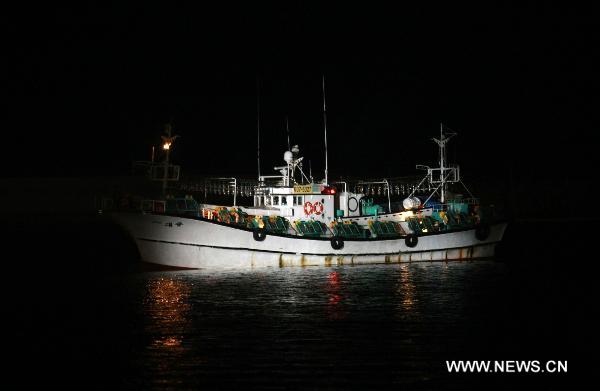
{"points": [[91, 87]]}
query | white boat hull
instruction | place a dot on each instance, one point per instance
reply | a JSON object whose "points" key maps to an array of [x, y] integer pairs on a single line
{"points": [[197, 243]]}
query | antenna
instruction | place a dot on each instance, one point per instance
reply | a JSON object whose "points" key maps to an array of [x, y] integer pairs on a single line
{"points": [[287, 127], [258, 125], [325, 126]]}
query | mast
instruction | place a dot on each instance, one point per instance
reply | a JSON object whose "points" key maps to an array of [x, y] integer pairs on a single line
{"points": [[441, 142], [168, 140], [290, 166], [442, 146], [258, 126], [325, 127]]}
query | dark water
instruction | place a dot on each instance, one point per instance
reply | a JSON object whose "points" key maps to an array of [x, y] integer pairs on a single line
{"points": [[88, 315]]}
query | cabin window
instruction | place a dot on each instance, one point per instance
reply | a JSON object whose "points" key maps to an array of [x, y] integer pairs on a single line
{"points": [[283, 200], [276, 200], [267, 201]]}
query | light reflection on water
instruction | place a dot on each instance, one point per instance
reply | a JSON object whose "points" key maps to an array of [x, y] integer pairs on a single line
{"points": [[300, 320], [406, 290], [335, 307], [166, 305]]}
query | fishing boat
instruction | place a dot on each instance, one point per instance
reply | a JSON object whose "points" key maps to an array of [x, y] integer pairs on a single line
{"points": [[296, 221]]}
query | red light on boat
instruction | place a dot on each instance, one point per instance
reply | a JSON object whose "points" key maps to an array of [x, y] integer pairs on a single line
{"points": [[328, 190]]}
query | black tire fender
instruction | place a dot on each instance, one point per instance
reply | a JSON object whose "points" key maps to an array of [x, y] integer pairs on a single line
{"points": [[411, 240], [259, 234], [337, 243]]}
